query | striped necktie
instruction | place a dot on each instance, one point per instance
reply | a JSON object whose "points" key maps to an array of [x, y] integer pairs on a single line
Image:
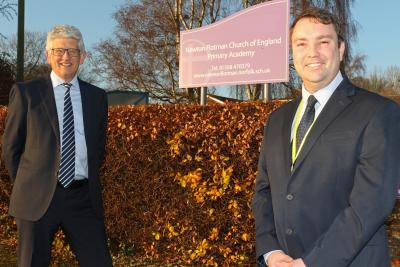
{"points": [[67, 165]]}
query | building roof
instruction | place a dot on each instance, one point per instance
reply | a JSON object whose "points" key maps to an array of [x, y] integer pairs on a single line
{"points": [[220, 100], [120, 97]]}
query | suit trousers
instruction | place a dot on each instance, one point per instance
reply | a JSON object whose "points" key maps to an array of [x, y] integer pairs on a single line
{"points": [[71, 210]]}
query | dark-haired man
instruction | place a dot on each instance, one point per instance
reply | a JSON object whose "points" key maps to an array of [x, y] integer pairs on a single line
{"points": [[329, 165]]}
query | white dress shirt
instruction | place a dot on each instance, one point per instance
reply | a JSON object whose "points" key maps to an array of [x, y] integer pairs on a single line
{"points": [[322, 96], [81, 167]]}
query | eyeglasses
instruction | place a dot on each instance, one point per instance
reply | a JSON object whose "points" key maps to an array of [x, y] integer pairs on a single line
{"points": [[72, 52]]}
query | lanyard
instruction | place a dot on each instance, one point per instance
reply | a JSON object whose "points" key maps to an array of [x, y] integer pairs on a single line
{"points": [[295, 153]]}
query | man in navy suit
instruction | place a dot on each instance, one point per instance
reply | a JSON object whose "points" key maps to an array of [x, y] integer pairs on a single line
{"points": [[53, 147], [329, 165]]}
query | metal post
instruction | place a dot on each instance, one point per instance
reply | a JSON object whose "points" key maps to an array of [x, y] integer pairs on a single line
{"points": [[266, 92], [237, 91], [203, 96], [20, 46]]}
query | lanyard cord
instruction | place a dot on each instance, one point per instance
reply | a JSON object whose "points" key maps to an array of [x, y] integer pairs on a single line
{"points": [[295, 153]]}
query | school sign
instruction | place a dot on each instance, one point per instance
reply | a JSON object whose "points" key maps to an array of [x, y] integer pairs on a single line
{"points": [[251, 46]]}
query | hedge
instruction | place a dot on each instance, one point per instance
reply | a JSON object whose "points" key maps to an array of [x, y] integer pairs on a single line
{"points": [[177, 185]]}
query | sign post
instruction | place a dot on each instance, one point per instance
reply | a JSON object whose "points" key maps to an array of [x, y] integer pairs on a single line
{"points": [[203, 96], [266, 92]]}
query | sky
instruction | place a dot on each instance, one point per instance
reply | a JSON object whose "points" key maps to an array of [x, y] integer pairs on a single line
{"points": [[379, 32], [93, 18], [378, 21]]}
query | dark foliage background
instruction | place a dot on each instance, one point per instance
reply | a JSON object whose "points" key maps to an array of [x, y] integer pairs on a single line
{"points": [[178, 181]]}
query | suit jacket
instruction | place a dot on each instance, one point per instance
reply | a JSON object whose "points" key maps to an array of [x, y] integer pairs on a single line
{"points": [[31, 145], [330, 209]]}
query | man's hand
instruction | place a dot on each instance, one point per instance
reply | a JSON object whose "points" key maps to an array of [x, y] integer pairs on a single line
{"points": [[298, 263], [279, 259]]}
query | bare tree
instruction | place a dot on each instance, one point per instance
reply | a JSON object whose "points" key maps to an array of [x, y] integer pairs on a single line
{"points": [[192, 14], [34, 62], [7, 78], [7, 9], [385, 82], [356, 66], [392, 75], [341, 8], [144, 52], [377, 82]]}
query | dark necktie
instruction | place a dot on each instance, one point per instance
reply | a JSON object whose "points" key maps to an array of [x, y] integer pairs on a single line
{"points": [[67, 165], [306, 120]]}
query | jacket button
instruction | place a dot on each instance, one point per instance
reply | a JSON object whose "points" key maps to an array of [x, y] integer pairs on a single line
{"points": [[289, 231], [289, 197]]}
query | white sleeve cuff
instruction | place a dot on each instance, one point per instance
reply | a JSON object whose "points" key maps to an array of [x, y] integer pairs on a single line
{"points": [[266, 255]]}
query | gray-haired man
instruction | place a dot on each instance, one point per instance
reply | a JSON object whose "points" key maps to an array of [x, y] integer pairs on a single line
{"points": [[53, 146]]}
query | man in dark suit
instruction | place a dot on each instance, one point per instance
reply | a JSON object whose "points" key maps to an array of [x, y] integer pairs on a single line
{"points": [[329, 165], [53, 146]]}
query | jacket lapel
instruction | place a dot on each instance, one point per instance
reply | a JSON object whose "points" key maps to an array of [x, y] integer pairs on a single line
{"points": [[287, 129], [336, 104], [87, 112], [49, 103]]}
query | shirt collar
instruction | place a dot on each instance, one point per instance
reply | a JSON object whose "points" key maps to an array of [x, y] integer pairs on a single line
{"points": [[323, 94], [56, 81]]}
